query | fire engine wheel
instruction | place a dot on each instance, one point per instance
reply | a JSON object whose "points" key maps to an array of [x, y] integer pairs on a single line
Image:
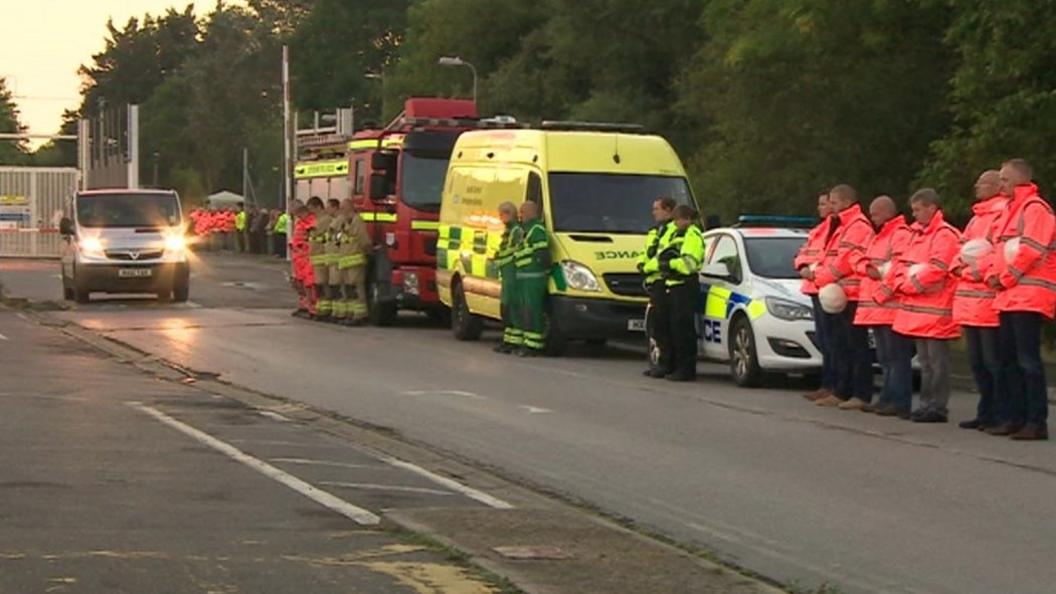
{"points": [[380, 313], [464, 324]]}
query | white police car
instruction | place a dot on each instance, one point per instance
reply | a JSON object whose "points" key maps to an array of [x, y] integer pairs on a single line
{"points": [[752, 314]]}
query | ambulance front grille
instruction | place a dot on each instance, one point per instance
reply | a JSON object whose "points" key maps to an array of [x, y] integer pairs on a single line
{"points": [[625, 284]]}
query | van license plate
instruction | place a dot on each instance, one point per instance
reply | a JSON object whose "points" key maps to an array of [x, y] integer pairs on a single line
{"points": [[636, 325], [135, 272]]}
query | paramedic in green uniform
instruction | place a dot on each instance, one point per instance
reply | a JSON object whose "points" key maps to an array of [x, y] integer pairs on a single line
{"points": [[532, 262], [509, 300]]}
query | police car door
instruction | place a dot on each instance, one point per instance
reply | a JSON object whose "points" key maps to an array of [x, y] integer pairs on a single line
{"points": [[717, 291]]}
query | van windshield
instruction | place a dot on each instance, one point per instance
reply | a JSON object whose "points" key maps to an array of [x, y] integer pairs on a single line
{"points": [[128, 210], [423, 180], [610, 203]]}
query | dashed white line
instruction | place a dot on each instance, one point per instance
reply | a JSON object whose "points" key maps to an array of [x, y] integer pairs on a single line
{"points": [[374, 487], [321, 463], [2, 337], [443, 393], [535, 410], [356, 514], [452, 484], [273, 415]]}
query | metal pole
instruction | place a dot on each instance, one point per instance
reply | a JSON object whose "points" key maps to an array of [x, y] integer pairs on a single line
{"points": [[474, 70], [287, 134], [245, 166], [133, 146]]}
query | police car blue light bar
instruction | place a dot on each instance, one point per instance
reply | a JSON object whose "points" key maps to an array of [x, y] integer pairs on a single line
{"points": [[775, 221]]}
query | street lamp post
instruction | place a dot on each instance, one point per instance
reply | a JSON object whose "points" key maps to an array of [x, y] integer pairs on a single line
{"points": [[457, 61], [381, 79]]}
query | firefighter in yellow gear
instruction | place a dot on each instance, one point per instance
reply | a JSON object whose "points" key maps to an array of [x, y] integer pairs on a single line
{"points": [[320, 261], [332, 249], [354, 245]]}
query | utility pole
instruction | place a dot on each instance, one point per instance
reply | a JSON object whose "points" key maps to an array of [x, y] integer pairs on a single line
{"points": [[287, 133], [245, 177]]}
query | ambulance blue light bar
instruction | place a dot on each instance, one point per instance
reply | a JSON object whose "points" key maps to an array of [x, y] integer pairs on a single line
{"points": [[775, 221]]}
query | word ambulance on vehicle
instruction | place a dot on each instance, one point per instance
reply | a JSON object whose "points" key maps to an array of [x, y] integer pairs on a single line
{"points": [[395, 176], [595, 183], [752, 314]]}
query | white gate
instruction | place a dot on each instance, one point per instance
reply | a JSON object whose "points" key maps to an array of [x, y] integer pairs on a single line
{"points": [[31, 203]]}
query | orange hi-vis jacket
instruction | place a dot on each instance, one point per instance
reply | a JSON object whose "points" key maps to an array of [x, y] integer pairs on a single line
{"points": [[1028, 281], [228, 222], [812, 252], [300, 249], [973, 302], [843, 250], [887, 245], [925, 298]]}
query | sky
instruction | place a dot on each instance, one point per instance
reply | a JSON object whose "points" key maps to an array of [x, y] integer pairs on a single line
{"points": [[45, 41]]}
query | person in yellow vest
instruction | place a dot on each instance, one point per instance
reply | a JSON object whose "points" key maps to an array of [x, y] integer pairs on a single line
{"points": [[332, 251], [680, 262], [324, 305], [353, 246], [240, 227]]}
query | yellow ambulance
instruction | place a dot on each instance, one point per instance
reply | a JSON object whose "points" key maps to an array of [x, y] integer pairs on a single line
{"points": [[596, 184]]}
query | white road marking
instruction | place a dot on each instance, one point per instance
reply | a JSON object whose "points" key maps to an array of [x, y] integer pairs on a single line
{"points": [[321, 463], [374, 487], [452, 484], [23, 316], [273, 415], [356, 514], [443, 393], [2, 337], [535, 410]]}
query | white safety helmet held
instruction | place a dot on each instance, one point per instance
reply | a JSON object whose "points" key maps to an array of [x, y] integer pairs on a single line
{"points": [[885, 268], [975, 249], [1011, 249], [915, 269], [833, 299]]}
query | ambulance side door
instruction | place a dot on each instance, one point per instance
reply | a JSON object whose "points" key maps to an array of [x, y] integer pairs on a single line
{"points": [[714, 328]]}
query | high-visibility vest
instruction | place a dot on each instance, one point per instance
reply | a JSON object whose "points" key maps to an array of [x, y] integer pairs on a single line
{"points": [[282, 223], [1029, 279], [925, 295], [887, 245], [812, 252], [843, 251], [973, 302], [240, 221], [533, 256], [658, 238], [684, 254]]}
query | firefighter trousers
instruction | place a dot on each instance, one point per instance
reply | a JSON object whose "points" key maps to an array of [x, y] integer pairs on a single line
{"points": [[354, 284]]}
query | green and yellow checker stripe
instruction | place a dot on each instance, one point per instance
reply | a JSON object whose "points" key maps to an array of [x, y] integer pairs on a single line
{"points": [[469, 247]]}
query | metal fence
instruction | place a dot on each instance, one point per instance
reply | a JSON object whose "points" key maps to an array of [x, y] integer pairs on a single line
{"points": [[31, 206]]}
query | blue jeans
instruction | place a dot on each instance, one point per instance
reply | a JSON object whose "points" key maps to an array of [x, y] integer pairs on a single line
{"points": [[852, 364], [883, 358], [900, 359], [823, 332], [983, 354], [1027, 399]]}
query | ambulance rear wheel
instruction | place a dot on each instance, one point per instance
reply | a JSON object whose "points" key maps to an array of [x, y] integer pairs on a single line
{"points": [[464, 324], [380, 313], [744, 360]]}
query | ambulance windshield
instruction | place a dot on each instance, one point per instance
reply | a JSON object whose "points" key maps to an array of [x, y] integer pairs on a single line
{"points": [[772, 257], [610, 203], [423, 180]]}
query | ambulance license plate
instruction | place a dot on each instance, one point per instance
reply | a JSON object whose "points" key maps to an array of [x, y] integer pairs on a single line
{"points": [[134, 272], [636, 325]]}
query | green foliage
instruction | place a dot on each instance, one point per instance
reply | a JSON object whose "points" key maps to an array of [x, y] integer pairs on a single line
{"points": [[12, 152]]}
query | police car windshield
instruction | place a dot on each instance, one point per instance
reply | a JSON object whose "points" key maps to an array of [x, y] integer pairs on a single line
{"points": [[610, 203], [423, 180], [128, 210], [771, 257]]}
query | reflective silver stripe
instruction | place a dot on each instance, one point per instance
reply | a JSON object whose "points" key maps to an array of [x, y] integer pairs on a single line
{"points": [[974, 266], [938, 264], [935, 311], [849, 282], [835, 273], [1015, 272], [973, 294], [1034, 244], [1038, 282], [916, 283], [874, 304]]}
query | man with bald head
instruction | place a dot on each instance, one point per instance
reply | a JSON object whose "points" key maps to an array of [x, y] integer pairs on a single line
{"points": [[891, 239], [973, 303]]}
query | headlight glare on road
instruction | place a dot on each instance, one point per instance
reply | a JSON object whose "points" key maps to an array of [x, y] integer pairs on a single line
{"points": [[91, 246], [579, 277], [788, 310]]}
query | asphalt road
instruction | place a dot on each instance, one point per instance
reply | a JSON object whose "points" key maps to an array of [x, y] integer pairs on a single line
{"points": [[786, 489]]}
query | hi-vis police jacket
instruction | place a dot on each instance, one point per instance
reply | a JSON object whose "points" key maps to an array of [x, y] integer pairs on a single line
{"points": [[655, 242], [681, 259]]}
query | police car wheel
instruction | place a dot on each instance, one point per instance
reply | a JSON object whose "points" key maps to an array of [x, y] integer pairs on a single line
{"points": [[744, 362]]}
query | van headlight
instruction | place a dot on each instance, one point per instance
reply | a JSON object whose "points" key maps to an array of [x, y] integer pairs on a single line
{"points": [[175, 244], [91, 247], [579, 277], [788, 310]]}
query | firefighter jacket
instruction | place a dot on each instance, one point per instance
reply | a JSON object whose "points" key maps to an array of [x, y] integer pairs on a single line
{"points": [[317, 238], [812, 252], [656, 240], [887, 245], [353, 242], [681, 259], [845, 247], [925, 294], [1028, 281], [973, 302], [532, 258], [332, 245]]}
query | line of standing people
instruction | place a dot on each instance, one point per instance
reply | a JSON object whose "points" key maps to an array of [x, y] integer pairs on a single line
{"points": [[919, 287], [523, 262]]}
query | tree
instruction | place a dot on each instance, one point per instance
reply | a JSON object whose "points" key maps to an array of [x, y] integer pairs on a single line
{"points": [[12, 152]]}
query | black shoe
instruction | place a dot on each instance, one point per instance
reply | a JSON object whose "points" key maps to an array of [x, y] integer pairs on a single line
{"points": [[929, 416], [655, 373], [503, 349], [972, 424], [681, 377], [525, 352]]}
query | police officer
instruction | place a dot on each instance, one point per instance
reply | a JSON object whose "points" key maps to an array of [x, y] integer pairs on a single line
{"points": [[532, 262], [659, 335], [353, 247], [512, 235], [679, 264], [320, 261]]}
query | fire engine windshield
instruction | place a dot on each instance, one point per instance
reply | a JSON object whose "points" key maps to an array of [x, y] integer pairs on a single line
{"points": [[610, 203], [422, 180], [128, 210]]}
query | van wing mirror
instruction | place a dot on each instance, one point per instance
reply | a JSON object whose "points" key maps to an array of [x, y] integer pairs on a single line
{"points": [[379, 186], [66, 226], [717, 270]]}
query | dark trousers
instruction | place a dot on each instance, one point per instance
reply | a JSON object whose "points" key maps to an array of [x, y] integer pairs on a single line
{"points": [[660, 349], [983, 354], [850, 356], [898, 385], [280, 244], [822, 332], [1024, 374], [884, 359], [683, 300]]}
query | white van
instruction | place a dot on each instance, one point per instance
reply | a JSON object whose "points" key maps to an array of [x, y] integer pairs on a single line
{"points": [[124, 241]]}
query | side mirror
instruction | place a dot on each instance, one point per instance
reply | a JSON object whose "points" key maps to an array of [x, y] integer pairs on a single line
{"points": [[66, 227], [717, 270], [379, 186], [381, 161]]}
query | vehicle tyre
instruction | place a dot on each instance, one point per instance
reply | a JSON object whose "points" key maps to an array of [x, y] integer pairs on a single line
{"points": [[181, 291], [440, 314], [744, 361], [464, 324], [556, 342], [380, 313], [81, 294]]}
